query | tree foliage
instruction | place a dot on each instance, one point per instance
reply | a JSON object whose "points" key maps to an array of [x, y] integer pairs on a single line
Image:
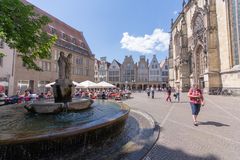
{"points": [[22, 29]]}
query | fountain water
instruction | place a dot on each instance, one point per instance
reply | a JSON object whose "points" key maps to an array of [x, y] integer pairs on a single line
{"points": [[34, 134]]}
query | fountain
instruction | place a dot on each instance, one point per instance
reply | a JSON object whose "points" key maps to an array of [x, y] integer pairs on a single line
{"points": [[62, 90], [71, 130]]}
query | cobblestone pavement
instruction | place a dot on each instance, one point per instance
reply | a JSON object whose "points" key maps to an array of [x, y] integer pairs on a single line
{"points": [[216, 138]]}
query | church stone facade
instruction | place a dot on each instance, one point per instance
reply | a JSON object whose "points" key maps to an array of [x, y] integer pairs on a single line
{"points": [[204, 45]]}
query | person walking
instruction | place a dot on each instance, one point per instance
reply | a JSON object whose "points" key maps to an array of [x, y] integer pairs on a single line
{"points": [[196, 101], [177, 94], [152, 90], [169, 91], [148, 92]]}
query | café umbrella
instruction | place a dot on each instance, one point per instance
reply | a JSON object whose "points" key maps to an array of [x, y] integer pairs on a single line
{"points": [[52, 83], [86, 84], [104, 84]]}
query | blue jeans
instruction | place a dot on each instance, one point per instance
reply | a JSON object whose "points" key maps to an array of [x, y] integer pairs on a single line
{"points": [[195, 108]]}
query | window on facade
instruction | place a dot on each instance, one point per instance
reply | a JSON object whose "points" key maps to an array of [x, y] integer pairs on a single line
{"points": [[23, 85], [74, 41], [235, 29], [82, 45], [46, 66], [55, 67], [53, 30], [79, 61], [41, 86], [166, 67], [87, 63], [87, 72], [64, 36], [1, 61], [56, 54], [1, 43], [23, 64]]}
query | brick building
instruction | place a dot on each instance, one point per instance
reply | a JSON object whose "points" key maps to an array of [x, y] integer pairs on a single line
{"points": [[69, 40]]}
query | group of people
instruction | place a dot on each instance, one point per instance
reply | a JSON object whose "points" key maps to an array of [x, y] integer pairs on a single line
{"points": [[116, 94], [169, 90]]}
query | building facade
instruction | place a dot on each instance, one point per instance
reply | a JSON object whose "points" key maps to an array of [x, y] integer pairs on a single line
{"points": [[103, 69], [155, 73], [164, 73], [96, 69], [204, 45], [114, 73], [69, 40], [128, 73], [133, 75], [7, 63], [142, 73]]}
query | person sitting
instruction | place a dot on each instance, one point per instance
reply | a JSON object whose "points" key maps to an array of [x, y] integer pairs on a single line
{"points": [[118, 97], [49, 94], [103, 95], [41, 96]]}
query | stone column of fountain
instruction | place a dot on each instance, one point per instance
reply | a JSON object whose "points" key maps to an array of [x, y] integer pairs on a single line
{"points": [[62, 89]]}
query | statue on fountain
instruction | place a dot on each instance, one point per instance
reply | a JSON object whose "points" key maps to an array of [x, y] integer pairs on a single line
{"points": [[62, 89]]}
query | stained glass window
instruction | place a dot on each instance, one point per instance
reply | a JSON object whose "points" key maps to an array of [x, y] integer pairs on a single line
{"points": [[235, 28]]}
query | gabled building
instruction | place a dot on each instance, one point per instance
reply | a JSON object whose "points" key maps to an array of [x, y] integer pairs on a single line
{"points": [[155, 73], [103, 69], [128, 73], [164, 73], [96, 70], [142, 73], [114, 73]]}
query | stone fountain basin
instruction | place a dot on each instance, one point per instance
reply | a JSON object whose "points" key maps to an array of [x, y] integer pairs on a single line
{"points": [[57, 143], [53, 108]]}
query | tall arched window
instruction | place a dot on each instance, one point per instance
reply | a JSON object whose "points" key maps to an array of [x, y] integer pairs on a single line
{"points": [[200, 61], [198, 28], [177, 44], [234, 7]]}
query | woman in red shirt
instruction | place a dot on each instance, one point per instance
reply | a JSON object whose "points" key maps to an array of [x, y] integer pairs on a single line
{"points": [[196, 100]]}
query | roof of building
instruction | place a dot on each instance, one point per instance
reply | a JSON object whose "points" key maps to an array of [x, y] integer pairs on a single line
{"points": [[108, 64], [62, 27], [162, 63], [119, 64]]}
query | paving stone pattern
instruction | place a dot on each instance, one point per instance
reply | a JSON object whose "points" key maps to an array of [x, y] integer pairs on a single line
{"points": [[216, 138]]}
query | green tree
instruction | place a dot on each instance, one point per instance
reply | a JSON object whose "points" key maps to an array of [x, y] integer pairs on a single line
{"points": [[22, 29]]}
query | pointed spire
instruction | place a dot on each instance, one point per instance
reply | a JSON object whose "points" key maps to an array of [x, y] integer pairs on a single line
{"points": [[172, 22]]}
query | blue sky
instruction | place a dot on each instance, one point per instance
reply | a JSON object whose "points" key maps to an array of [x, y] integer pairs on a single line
{"points": [[115, 28]]}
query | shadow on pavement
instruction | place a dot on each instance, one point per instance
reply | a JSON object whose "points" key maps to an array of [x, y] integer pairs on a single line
{"points": [[180, 102], [212, 123], [160, 152]]}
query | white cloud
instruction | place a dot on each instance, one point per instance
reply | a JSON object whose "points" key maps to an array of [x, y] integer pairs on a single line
{"points": [[175, 12], [147, 44]]}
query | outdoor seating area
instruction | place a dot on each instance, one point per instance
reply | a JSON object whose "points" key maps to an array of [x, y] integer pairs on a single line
{"points": [[114, 94], [85, 89]]}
